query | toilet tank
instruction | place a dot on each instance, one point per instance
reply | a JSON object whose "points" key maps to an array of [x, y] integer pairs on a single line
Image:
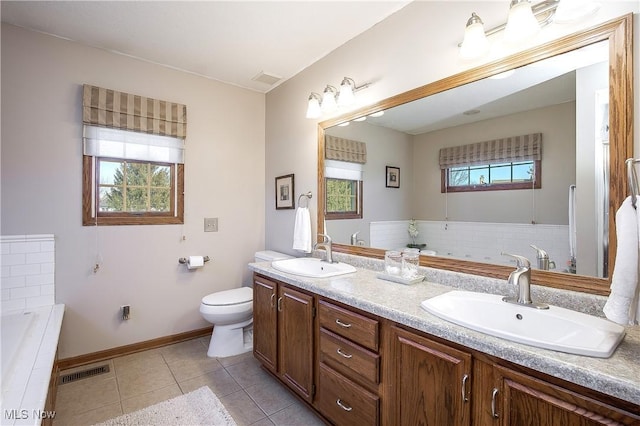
{"points": [[270, 256]]}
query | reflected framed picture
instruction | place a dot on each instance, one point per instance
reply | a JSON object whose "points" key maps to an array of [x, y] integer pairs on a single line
{"points": [[284, 192], [393, 177]]}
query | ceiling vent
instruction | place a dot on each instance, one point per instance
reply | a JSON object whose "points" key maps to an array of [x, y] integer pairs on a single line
{"points": [[266, 78]]}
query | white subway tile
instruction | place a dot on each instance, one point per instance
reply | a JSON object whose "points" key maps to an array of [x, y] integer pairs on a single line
{"points": [[13, 304], [47, 300], [41, 257], [25, 270], [24, 292], [13, 282], [47, 268], [6, 294], [5, 271], [41, 279], [26, 247], [47, 290], [13, 259], [5, 248]]}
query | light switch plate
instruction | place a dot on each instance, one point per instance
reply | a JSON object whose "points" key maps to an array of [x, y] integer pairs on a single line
{"points": [[210, 224]]}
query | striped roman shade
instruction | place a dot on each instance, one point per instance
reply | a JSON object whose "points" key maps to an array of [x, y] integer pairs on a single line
{"points": [[110, 108], [345, 150], [507, 150]]}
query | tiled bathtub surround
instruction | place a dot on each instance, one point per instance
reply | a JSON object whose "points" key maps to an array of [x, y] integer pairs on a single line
{"points": [[482, 242], [28, 266]]}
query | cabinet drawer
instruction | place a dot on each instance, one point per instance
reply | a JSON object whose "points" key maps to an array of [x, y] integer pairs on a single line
{"points": [[344, 402], [354, 327], [348, 358]]}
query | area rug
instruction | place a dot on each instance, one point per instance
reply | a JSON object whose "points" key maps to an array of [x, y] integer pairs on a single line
{"points": [[200, 407]]}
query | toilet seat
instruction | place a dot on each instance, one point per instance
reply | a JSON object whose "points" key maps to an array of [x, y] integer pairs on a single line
{"points": [[231, 297]]}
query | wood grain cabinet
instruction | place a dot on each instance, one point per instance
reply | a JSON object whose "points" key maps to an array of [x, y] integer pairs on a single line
{"points": [[349, 366], [519, 400], [283, 337], [431, 381]]}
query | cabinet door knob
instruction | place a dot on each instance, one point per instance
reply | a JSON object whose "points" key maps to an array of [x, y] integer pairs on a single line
{"points": [[465, 397], [279, 304], [494, 413], [343, 406], [273, 296], [342, 324], [343, 354]]}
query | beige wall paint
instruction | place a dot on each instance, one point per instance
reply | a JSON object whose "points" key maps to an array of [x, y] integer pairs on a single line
{"points": [[550, 205], [42, 78], [413, 47]]}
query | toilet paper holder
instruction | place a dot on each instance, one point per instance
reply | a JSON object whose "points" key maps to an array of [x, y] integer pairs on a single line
{"points": [[183, 260]]}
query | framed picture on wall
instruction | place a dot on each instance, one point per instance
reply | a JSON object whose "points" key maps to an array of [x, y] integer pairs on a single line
{"points": [[393, 177], [284, 192]]}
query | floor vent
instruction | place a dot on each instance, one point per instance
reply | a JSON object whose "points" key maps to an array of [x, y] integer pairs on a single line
{"points": [[78, 375]]}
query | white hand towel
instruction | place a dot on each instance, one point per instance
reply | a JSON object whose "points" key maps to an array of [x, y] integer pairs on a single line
{"points": [[622, 305], [302, 230]]}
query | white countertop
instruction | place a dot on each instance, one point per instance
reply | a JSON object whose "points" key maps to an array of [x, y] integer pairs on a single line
{"points": [[24, 390], [618, 376]]}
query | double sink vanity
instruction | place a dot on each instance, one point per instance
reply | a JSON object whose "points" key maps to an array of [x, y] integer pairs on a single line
{"points": [[362, 350]]}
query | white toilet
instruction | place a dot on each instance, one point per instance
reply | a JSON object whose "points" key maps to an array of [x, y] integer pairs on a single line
{"points": [[231, 313]]}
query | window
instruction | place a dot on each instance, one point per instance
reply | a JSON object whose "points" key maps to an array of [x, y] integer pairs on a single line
{"points": [[500, 164], [492, 177], [133, 164], [343, 199]]}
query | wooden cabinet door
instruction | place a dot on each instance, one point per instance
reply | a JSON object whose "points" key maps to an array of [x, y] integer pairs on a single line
{"points": [[431, 382], [527, 401], [265, 337], [295, 346]]}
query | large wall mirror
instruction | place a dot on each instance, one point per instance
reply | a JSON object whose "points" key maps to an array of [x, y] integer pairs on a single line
{"points": [[574, 93]]}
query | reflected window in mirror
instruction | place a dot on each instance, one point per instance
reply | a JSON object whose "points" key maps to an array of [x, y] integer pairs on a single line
{"points": [[343, 199], [492, 177]]}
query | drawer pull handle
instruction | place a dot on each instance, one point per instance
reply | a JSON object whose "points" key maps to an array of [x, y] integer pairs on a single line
{"points": [[344, 407], [279, 304], [465, 398], [493, 403], [343, 354], [273, 296], [342, 324]]}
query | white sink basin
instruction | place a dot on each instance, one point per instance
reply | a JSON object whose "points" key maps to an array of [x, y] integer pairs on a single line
{"points": [[554, 328], [312, 267]]}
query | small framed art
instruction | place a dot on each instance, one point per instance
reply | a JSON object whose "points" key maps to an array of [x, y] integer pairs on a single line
{"points": [[393, 177], [284, 192]]}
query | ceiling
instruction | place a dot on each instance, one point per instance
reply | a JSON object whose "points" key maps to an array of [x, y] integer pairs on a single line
{"points": [[234, 42]]}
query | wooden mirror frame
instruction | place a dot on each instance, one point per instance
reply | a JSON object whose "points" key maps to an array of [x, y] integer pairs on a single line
{"points": [[619, 33]]}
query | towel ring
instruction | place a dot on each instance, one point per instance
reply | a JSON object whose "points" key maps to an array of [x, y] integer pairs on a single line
{"points": [[307, 195]]}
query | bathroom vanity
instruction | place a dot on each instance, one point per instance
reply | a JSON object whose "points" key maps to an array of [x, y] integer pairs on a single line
{"points": [[361, 350]]}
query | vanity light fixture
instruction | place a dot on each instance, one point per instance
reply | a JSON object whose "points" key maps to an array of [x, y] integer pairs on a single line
{"points": [[329, 103], [524, 21], [331, 99], [313, 106], [377, 114]]}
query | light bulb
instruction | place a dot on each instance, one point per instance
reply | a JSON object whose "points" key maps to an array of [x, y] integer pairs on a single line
{"points": [[346, 96], [521, 23], [475, 43], [313, 107], [329, 99]]}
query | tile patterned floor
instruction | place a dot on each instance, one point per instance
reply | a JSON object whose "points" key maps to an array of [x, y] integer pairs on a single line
{"points": [[251, 395]]}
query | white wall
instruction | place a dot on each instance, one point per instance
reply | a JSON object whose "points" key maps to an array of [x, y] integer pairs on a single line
{"points": [[415, 46], [42, 81]]}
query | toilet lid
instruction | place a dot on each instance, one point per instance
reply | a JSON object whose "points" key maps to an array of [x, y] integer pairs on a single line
{"points": [[229, 297]]}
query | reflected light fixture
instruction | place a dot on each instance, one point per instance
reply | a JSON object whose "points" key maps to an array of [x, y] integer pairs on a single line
{"points": [[521, 23], [329, 103], [475, 41], [313, 106]]}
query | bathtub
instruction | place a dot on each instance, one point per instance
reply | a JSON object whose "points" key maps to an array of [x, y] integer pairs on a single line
{"points": [[29, 342]]}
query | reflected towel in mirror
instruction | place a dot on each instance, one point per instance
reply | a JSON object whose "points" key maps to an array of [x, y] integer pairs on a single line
{"points": [[623, 303], [302, 230]]}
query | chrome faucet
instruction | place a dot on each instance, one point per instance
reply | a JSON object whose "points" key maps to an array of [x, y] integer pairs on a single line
{"points": [[355, 241], [543, 259], [326, 244], [521, 278]]}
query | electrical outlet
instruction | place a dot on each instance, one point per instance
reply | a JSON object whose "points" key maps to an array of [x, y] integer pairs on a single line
{"points": [[210, 224], [126, 312]]}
